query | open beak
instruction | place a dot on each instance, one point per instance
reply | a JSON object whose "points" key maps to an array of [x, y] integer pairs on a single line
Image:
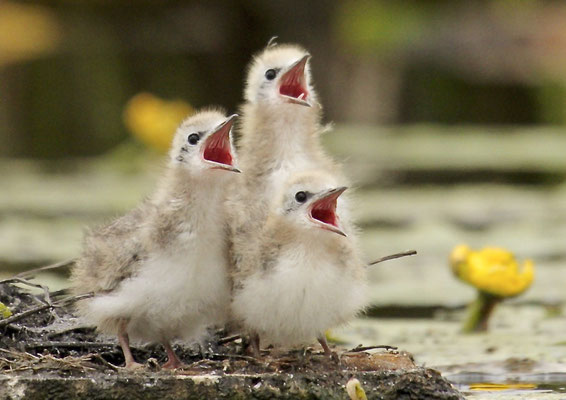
{"points": [[293, 83], [217, 149], [323, 210]]}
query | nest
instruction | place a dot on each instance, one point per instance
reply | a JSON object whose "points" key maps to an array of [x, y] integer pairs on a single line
{"points": [[44, 348], [43, 335]]}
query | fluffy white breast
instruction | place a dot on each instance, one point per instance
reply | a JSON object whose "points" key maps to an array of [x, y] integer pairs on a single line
{"points": [[180, 289], [305, 294]]}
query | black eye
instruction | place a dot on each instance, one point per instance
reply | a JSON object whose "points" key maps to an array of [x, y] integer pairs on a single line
{"points": [[193, 138], [301, 197], [270, 74]]}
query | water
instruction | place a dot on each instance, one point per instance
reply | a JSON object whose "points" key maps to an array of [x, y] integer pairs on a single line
{"points": [[484, 386], [522, 356]]}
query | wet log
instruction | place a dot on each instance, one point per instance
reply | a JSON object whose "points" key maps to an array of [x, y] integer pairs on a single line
{"points": [[392, 377]]}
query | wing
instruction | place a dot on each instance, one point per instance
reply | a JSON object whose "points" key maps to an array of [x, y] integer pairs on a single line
{"points": [[111, 253]]}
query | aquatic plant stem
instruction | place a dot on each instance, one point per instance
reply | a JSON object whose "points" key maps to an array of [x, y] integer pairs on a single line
{"points": [[479, 312]]}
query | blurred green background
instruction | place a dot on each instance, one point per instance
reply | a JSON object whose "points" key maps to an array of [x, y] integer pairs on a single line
{"points": [[449, 117], [68, 67]]}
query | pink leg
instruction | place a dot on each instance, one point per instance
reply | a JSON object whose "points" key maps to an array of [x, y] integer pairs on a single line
{"points": [[324, 344], [254, 339], [124, 341], [172, 359], [327, 352]]}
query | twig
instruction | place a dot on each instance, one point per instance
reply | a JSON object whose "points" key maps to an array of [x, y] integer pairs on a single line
{"points": [[17, 328], [30, 273], [74, 329], [22, 279], [364, 348], [71, 299], [22, 361], [22, 315], [228, 339], [393, 256], [233, 356], [60, 292], [28, 283], [67, 344], [59, 303], [105, 362], [17, 353]]}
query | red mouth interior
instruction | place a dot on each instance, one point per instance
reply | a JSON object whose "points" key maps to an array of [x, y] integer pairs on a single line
{"points": [[217, 147], [324, 210], [218, 155], [293, 83], [294, 89]]}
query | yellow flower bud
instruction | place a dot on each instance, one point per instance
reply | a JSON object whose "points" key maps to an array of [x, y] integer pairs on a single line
{"points": [[5, 311], [153, 120], [355, 390]]}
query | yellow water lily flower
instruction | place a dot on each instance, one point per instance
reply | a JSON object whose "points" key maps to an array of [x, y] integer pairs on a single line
{"points": [[4, 311], [153, 120], [495, 273], [492, 270]]}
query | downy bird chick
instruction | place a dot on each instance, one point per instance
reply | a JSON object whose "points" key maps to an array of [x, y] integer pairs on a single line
{"points": [[279, 136], [308, 275], [160, 272], [280, 119]]}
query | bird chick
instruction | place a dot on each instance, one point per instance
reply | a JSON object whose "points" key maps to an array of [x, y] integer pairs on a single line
{"points": [[307, 275], [280, 118], [279, 136], [160, 271]]}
